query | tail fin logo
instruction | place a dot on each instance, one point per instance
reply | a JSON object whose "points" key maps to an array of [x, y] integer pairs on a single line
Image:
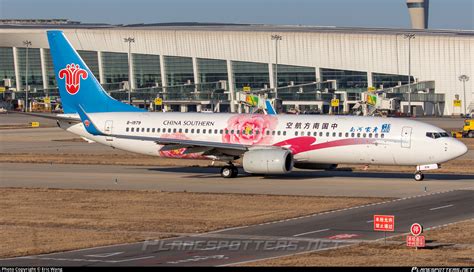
{"points": [[73, 74]]}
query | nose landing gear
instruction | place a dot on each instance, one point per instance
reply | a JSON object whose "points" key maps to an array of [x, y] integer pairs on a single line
{"points": [[419, 176]]}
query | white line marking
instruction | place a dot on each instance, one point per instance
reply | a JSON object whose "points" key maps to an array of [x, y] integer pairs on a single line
{"points": [[442, 207], [104, 255], [316, 231], [370, 221]]}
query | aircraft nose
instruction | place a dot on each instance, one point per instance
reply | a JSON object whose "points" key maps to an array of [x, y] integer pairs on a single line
{"points": [[458, 148]]}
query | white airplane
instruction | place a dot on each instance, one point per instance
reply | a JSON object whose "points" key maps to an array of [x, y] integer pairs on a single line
{"points": [[267, 144]]}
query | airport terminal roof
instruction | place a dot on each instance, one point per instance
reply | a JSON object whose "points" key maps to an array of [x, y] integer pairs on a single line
{"points": [[199, 26]]}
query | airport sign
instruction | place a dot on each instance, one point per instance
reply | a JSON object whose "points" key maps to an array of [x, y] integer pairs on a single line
{"points": [[415, 241], [158, 101], [384, 222], [457, 103], [335, 102], [416, 229]]}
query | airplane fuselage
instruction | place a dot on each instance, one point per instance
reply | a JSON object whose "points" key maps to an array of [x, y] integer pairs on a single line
{"points": [[316, 139]]}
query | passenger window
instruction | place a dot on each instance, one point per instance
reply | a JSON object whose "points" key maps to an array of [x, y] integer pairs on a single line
{"points": [[138, 129], [143, 129], [376, 135], [327, 134], [192, 131], [231, 131], [257, 132], [321, 134], [148, 130], [358, 135], [364, 135], [126, 129], [352, 134], [174, 130], [210, 131], [284, 133], [268, 132], [186, 131], [315, 133], [153, 130], [309, 133], [347, 134], [238, 132], [169, 130], [215, 131], [340, 134], [273, 132], [180, 130], [296, 133], [198, 131], [221, 131], [382, 135], [334, 134], [370, 135], [158, 130]]}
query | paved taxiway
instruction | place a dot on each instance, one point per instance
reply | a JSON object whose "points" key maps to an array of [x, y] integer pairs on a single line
{"points": [[268, 240], [195, 179]]}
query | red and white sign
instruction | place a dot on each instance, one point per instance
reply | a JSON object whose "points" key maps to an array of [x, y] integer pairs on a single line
{"points": [[415, 241], [416, 229], [384, 222]]}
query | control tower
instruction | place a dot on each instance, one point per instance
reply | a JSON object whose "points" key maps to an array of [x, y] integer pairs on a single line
{"points": [[419, 13]]}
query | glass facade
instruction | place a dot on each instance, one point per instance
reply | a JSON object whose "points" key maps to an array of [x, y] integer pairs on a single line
{"points": [[297, 74], [212, 70], [115, 67], [92, 61], [346, 79], [389, 80], [251, 74], [179, 70], [7, 66], [146, 69], [50, 76], [35, 79]]}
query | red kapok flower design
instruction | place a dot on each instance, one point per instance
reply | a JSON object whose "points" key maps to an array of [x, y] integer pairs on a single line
{"points": [[252, 129], [178, 153]]}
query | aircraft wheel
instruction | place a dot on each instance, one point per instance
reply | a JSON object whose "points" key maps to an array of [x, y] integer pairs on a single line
{"points": [[419, 176], [228, 172]]}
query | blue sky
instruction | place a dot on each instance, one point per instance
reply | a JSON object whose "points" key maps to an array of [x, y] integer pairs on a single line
{"points": [[444, 14]]}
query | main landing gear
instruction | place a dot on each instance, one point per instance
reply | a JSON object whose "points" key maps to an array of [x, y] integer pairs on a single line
{"points": [[229, 171]]}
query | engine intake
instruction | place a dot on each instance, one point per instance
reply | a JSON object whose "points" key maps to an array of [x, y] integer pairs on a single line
{"points": [[268, 161]]}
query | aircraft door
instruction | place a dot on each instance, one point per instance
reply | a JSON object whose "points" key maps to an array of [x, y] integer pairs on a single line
{"points": [[108, 129], [406, 137]]}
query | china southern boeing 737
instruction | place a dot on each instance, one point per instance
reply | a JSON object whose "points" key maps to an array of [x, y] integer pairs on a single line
{"points": [[267, 144]]}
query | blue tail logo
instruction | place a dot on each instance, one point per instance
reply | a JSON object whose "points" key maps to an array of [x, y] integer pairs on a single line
{"points": [[73, 74], [77, 85]]}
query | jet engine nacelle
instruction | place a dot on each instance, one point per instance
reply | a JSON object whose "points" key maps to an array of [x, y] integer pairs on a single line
{"points": [[268, 161]]}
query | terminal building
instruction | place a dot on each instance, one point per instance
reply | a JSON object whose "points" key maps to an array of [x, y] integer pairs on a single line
{"points": [[193, 65]]}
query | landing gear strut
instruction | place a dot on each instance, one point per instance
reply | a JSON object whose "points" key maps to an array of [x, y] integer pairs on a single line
{"points": [[229, 171], [419, 176]]}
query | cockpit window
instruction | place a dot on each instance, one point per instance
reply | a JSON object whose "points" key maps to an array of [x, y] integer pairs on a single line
{"points": [[436, 135]]}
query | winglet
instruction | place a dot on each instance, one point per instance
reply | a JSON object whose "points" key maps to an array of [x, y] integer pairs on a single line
{"points": [[270, 109], [87, 122]]}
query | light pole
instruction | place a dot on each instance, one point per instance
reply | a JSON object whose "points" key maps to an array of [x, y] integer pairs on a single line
{"points": [[409, 36], [464, 79], [276, 38], [129, 40], [27, 43]]}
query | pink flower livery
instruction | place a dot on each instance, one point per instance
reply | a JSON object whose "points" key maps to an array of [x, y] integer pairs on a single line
{"points": [[252, 129], [178, 153]]}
